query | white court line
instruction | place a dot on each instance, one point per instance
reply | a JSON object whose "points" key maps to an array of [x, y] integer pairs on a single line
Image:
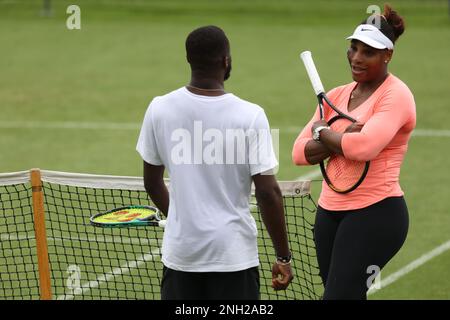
{"points": [[311, 175], [430, 133], [416, 132], [125, 268], [410, 267], [68, 125], [136, 126]]}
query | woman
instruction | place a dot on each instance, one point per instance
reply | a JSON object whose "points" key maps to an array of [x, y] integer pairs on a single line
{"points": [[359, 232]]}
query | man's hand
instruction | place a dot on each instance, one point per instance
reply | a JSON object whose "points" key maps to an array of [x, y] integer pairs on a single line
{"points": [[281, 276]]}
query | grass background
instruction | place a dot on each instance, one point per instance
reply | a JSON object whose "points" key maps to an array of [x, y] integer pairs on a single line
{"points": [[62, 91]]}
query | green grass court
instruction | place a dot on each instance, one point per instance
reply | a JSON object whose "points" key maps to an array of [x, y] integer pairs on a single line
{"points": [[73, 100]]}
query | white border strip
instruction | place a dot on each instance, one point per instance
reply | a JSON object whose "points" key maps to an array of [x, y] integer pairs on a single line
{"points": [[292, 188], [93, 180], [10, 178], [295, 188]]}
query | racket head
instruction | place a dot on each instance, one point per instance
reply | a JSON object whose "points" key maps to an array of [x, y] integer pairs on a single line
{"points": [[343, 175], [330, 104], [129, 216]]}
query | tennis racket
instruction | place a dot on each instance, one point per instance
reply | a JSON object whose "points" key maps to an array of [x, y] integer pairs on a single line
{"points": [[130, 216], [342, 175]]}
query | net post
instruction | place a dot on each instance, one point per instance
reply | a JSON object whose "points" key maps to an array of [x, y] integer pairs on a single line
{"points": [[41, 235]]}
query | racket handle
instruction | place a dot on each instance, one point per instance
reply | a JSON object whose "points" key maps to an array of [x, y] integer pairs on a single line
{"points": [[312, 72], [162, 223]]}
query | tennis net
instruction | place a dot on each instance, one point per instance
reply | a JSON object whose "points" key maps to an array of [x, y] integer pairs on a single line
{"points": [[54, 253]]}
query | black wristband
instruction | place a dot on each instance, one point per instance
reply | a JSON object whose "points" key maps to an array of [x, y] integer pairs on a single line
{"points": [[284, 259]]}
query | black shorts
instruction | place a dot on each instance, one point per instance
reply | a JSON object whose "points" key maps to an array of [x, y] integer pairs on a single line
{"points": [[238, 285]]}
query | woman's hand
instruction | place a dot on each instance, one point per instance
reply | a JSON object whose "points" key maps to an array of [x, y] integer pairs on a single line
{"points": [[354, 127], [320, 123]]}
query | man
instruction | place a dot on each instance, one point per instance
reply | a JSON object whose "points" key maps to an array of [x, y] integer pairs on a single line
{"points": [[210, 240]]}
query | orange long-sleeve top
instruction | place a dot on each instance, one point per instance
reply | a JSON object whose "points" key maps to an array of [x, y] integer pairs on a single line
{"points": [[389, 117]]}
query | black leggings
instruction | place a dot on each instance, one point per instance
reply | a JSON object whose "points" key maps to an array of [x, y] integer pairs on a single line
{"points": [[348, 243]]}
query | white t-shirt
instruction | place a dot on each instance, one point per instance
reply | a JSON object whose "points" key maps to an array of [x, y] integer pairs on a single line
{"points": [[211, 146]]}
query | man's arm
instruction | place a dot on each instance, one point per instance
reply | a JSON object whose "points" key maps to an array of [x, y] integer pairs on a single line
{"points": [[155, 186], [270, 201]]}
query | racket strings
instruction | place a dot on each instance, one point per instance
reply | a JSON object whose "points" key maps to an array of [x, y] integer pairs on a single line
{"points": [[343, 174], [127, 214]]}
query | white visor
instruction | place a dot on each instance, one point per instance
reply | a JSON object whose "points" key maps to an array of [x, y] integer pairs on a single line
{"points": [[372, 36]]}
